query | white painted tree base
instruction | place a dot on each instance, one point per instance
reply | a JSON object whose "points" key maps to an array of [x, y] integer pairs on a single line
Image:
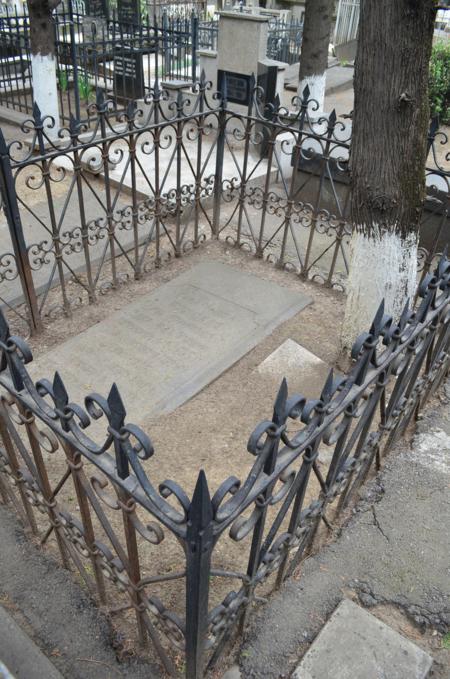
{"points": [[316, 84], [381, 267], [45, 89]]}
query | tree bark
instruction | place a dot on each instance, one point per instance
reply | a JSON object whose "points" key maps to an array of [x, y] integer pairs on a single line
{"points": [[43, 57], [388, 154], [314, 53]]}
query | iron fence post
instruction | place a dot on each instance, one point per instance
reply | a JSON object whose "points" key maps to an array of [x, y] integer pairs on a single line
{"points": [[220, 152], [11, 208], [73, 55], [194, 34], [199, 546]]}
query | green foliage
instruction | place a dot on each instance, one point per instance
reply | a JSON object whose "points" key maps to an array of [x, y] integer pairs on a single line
{"points": [[446, 641], [439, 81], [63, 80], [85, 88]]}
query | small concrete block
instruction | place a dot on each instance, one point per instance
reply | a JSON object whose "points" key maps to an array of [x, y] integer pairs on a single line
{"points": [[305, 372], [233, 673], [354, 644], [20, 655], [288, 356]]}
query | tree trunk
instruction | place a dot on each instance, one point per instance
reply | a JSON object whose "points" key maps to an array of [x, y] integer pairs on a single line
{"points": [[314, 52], [43, 58], [388, 154]]}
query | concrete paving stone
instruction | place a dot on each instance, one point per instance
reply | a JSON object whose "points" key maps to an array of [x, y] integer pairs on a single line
{"points": [[355, 644], [167, 345], [22, 658]]}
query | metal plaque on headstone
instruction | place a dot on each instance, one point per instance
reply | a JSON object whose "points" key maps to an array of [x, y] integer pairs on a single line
{"points": [[129, 74], [238, 86], [128, 11]]}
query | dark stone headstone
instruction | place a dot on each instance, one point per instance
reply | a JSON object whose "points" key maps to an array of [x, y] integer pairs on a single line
{"points": [[128, 11], [96, 8], [267, 80], [129, 74]]}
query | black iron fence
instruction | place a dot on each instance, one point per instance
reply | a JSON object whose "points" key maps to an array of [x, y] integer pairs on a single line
{"points": [[51, 449], [285, 40], [89, 209], [122, 59]]}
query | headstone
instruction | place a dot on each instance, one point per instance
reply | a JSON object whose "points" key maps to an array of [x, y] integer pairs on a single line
{"points": [[129, 11], [96, 8], [242, 45], [354, 644], [129, 74], [167, 345]]}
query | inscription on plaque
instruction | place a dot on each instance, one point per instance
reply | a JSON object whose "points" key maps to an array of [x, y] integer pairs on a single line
{"points": [[129, 74], [238, 86]]}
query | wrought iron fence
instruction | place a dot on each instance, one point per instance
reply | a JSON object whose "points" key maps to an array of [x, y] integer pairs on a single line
{"points": [[285, 40], [123, 59], [52, 448], [91, 208]]}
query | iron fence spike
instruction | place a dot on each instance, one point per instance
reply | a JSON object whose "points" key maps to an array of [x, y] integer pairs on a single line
{"points": [[279, 409], [116, 405], [60, 390]]}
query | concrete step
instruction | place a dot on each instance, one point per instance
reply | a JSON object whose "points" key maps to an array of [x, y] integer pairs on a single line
{"points": [[19, 655], [354, 643], [9, 115]]}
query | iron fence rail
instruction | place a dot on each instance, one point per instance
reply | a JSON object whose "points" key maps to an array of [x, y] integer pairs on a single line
{"points": [[51, 446], [94, 206]]}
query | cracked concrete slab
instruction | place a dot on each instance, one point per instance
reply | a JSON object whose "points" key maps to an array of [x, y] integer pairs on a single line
{"points": [[394, 551]]}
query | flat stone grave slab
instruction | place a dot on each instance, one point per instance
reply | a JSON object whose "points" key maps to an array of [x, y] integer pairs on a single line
{"points": [[166, 346], [354, 644]]}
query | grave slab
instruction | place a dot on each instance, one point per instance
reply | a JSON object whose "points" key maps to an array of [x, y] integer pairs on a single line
{"points": [[355, 644], [166, 346]]}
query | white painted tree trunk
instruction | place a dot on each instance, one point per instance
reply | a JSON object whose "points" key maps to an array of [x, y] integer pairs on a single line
{"points": [[316, 84], [45, 89], [383, 266]]}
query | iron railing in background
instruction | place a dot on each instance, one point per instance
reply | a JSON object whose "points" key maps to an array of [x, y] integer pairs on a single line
{"points": [[347, 22], [123, 60], [53, 450], [285, 40]]}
